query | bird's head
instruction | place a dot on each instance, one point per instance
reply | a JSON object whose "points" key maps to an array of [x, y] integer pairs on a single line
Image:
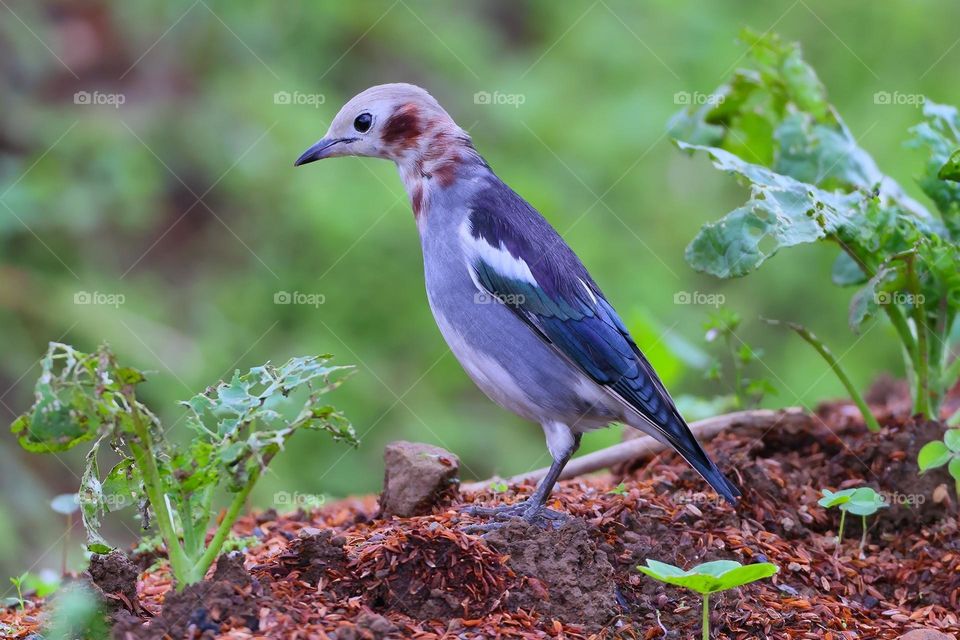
{"points": [[399, 122]]}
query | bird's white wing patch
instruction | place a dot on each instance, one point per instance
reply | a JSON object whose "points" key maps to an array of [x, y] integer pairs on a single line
{"points": [[497, 258]]}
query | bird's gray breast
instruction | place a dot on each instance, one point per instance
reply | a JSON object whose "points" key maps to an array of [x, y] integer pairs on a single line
{"points": [[507, 359]]}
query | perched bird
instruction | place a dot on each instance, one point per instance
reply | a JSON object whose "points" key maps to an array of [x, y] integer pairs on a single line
{"points": [[513, 301]]}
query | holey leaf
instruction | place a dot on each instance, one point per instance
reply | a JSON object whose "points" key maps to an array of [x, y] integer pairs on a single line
{"points": [[781, 212]]}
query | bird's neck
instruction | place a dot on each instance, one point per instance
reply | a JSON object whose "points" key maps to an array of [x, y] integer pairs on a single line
{"points": [[434, 163]]}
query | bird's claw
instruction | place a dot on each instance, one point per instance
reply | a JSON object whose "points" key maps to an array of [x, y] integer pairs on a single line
{"points": [[532, 513]]}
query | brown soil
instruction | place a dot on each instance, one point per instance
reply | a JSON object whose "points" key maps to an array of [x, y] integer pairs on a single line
{"points": [[230, 598], [341, 573], [116, 577]]}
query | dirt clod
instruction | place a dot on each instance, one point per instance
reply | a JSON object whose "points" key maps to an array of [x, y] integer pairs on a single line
{"points": [[116, 577], [418, 477], [227, 600], [567, 576]]}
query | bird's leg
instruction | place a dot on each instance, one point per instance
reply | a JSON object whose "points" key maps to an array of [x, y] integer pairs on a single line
{"points": [[532, 509]]}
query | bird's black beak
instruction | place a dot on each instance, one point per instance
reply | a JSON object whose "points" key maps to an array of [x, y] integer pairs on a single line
{"points": [[320, 150]]}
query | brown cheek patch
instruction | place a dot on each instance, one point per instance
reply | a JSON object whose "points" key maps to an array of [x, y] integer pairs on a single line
{"points": [[403, 127]]}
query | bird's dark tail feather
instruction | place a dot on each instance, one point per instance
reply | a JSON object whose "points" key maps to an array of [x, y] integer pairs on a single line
{"points": [[710, 472], [683, 440]]}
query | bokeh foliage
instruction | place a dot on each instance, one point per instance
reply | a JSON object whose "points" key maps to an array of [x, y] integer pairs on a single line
{"points": [[183, 200]]}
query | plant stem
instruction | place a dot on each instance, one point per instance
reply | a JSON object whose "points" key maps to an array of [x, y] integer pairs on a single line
{"points": [[66, 546], [827, 355], [922, 399], [223, 530], [706, 616], [843, 520], [144, 457], [735, 363], [863, 538]]}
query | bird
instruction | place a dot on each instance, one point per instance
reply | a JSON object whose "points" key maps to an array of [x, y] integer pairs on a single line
{"points": [[515, 304]]}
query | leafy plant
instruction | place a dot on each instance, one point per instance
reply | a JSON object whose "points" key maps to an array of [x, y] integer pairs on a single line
{"points": [[946, 452], [810, 182], [860, 501], [708, 578], [722, 327], [238, 427]]}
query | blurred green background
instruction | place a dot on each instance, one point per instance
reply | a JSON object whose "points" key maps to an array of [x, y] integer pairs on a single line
{"points": [[146, 154]]}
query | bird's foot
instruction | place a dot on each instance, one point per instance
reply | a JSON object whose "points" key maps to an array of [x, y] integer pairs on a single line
{"points": [[535, 514]]}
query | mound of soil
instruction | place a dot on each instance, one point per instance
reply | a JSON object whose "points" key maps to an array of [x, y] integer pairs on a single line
{"points": [[567, 577], [229, 599], [343, 573]]}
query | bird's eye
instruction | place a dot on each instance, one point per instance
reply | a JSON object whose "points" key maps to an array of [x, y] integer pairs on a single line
{"points": [[363, 122]]}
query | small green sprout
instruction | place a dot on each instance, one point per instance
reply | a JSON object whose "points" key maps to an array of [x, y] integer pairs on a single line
{"points": [[709, 577], [619, 490], [499, 486], [18, 585], [861, 501], [946, 452]]}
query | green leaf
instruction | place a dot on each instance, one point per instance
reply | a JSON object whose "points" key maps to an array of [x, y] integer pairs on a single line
{"points": [[932, 455], [951, 168], [709, 577], [120, 489], [952, 439], [99, 547], [831, 499], [715, 568], [939, 134], [954, 468], [868, 299], [864, 502]]}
